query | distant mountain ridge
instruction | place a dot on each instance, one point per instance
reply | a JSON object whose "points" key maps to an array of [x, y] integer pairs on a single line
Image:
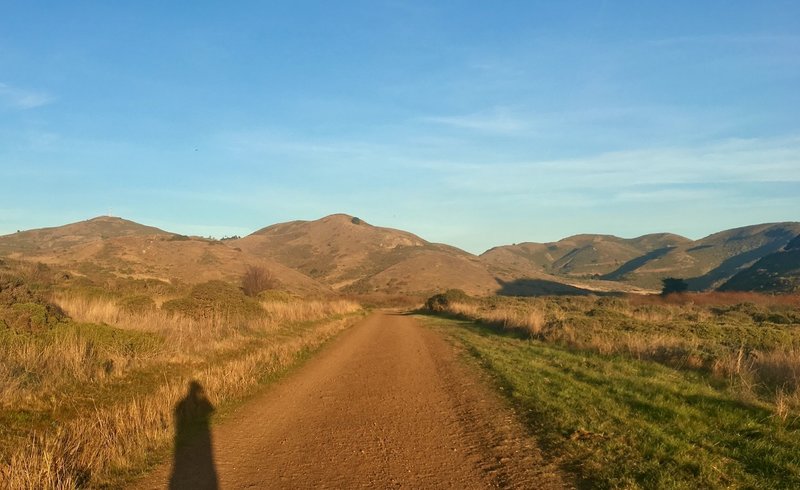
{"points": [[581, 255], [644, 261], [342, 253]]}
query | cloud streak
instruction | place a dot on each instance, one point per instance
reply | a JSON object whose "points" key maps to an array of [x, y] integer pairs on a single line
{"points": [[19, 98], [726, 161], [495, 121]]}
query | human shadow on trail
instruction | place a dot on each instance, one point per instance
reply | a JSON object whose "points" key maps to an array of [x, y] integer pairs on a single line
{"points": [[193, 467]]}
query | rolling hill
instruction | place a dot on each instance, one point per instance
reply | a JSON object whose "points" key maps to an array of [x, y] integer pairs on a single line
{"points": [[54, 240], [644, 261], [341, 253], [351, 255], [113, 247], [583, 256]]}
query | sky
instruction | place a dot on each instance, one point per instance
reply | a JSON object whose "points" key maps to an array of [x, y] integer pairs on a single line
{"points": [[471, 123]]}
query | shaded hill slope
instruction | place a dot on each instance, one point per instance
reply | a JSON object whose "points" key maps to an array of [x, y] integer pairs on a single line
{"points": [[778, 272]]}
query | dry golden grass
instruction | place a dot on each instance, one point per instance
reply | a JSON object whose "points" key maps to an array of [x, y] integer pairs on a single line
{"points": [[686, 332], [104, 436], [530, 321], [716, 299]]}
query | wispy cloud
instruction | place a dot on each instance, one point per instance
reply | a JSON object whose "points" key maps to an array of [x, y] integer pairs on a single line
{"points": [[497, 120], [727, 161], [20, 98], [725, 39]]}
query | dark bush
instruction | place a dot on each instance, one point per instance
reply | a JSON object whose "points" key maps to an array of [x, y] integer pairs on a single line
{"points": [[257, 279], [440, 302], [673, 285]]}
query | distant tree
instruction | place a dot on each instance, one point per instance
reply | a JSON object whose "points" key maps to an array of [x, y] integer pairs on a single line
{"points": [[257, 279], [673, 285]]}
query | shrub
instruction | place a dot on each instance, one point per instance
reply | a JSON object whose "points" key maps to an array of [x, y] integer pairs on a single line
{"points": [[440, 302], [212, 299], [673, 285], [137, 304], [31, 317], [257, 279]]}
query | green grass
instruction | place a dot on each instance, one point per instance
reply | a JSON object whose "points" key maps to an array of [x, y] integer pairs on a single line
{"points": [[617, 422]]}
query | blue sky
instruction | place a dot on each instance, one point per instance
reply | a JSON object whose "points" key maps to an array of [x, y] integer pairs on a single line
{"points": [[471, 123]]}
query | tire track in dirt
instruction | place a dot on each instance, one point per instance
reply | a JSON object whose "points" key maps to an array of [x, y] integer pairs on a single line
{"points": [[387, 405]]}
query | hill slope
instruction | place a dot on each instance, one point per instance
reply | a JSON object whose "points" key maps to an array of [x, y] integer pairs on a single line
{"points": [[44, 241], [644, 261], [351, 255], [777, 272], [114, 247], [579, 255], [343, 253]]}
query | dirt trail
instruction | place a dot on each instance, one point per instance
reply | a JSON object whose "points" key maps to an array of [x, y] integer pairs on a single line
{"points": [[387, 405]]}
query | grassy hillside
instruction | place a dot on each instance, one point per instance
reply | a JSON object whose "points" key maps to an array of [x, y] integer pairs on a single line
{"points": [[53, 240], [579, 255], [108, 249], [341, 253], [351, 255], [90, 373], [698, 391], [644, 261]]}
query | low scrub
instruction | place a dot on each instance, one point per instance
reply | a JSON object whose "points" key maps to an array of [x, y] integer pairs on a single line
{"points": [[85, 400], [213, 298]]}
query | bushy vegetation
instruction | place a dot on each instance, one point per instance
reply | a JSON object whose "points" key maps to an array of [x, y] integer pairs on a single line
{"points": [[89, 393], [256, 280], [23, 308], [212, 298], [442, 302]]}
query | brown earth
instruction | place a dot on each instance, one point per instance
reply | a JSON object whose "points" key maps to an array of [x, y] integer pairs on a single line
{"points": [[389, 404]]}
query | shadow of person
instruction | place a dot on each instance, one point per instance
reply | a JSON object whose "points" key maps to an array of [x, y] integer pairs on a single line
{"points": [[193, 466]]}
